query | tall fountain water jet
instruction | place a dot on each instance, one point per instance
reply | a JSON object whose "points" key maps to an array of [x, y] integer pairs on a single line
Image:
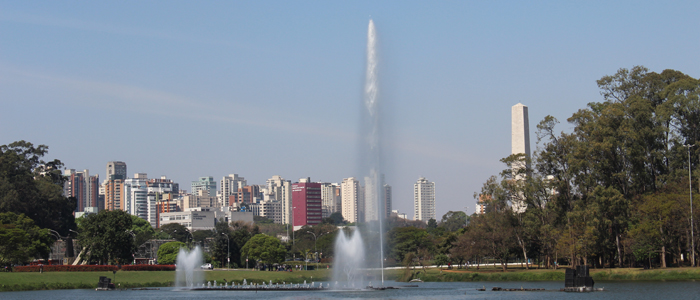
{"points": [[368, 247], [375, 207], [188, 273]]}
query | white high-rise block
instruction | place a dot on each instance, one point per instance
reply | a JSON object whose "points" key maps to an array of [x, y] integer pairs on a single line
{"points": [[351, 194], [424, 200]]}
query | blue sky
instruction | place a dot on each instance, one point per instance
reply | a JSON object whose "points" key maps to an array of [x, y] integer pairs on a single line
{"points": [[261, 88]]}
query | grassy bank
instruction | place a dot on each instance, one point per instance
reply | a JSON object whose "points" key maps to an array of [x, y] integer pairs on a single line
{"points": [[622, 274], [18, 281], [26, 281]]}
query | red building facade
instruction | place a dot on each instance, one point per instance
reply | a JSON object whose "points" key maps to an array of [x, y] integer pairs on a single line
{"points": [[306, 200]]}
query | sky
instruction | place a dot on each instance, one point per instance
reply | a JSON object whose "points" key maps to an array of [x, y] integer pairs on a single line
{"points": [[189, 89]]}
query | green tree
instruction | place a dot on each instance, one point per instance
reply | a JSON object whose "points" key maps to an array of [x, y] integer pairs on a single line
{"points": [[402, 240], [106, 237], [441, 260], [22, 240], [454, 220], [337, 218], [167, 253], [492, 235], [33, 187], [200, 236], [142, 230], [176, 231], [432, 224], [264, 248]]}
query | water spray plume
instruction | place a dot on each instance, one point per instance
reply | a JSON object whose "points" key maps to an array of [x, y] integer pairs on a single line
{"points": [[352, 254], [188, 273]]}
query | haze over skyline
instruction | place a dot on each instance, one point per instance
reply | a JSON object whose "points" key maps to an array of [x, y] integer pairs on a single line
{"points": [[194, 89]]}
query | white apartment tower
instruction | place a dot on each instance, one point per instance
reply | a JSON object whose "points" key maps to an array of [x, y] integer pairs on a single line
{"points": [[330, 199], [424, 200], [229, 187], [351, 194], [280, 190], [136, 196]]}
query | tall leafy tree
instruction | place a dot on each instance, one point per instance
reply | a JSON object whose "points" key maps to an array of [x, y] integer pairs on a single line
{"points": [[264, 248], [34, 187], [106, 237], [453, 220]]}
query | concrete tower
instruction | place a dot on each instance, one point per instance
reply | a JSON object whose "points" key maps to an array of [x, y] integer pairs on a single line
{"points": [[520, 134], [520, 144]]}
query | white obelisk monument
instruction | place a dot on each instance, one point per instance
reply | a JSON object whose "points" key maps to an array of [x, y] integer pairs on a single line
{"points": [[520, 143]]}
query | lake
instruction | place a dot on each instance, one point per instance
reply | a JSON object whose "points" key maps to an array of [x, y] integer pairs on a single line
{"points": [[427, 290]]}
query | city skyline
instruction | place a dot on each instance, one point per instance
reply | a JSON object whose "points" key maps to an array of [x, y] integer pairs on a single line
{"points": [[275, 88]]}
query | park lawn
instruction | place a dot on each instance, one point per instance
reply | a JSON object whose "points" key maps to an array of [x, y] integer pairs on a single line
{"points": [[521, 274], [20, 281], [80, 280]]}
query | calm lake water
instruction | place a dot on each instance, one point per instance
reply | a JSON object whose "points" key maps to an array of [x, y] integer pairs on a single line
{"points": [[427, 290]]}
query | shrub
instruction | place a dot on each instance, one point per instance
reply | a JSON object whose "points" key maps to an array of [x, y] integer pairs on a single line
{"points": [[65, 268], [148, 268]]}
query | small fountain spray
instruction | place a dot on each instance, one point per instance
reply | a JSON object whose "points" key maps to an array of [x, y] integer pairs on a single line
{"points": [[188, 273]]}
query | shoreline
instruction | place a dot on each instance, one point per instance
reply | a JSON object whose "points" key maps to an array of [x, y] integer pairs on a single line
{"points": [[30, 281]]}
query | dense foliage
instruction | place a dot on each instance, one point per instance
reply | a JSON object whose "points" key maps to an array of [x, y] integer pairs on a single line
{"points": [[33, 187], [106, 237], [167, 253], [264, 248], [22, 240]]}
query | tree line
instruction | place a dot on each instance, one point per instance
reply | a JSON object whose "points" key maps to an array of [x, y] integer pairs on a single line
{"points": [[612, 192]]}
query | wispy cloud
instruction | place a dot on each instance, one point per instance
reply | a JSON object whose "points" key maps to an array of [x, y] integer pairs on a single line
{"points": [[124, 97], [19, 17], [111, 96]]}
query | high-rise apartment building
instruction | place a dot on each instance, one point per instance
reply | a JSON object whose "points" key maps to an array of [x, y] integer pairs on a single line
{"points": [[116, 168], [201, 199], [351, 198], [424, 200], [204, 183], [387, 200], [330, 198], [162, 197], [75, 186], [249, 194], [113, 186], [272, 210], [306, 201], [83, 187], [280, 190], [229, 187], [114, 192], [136, 195], [93, 192]]}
